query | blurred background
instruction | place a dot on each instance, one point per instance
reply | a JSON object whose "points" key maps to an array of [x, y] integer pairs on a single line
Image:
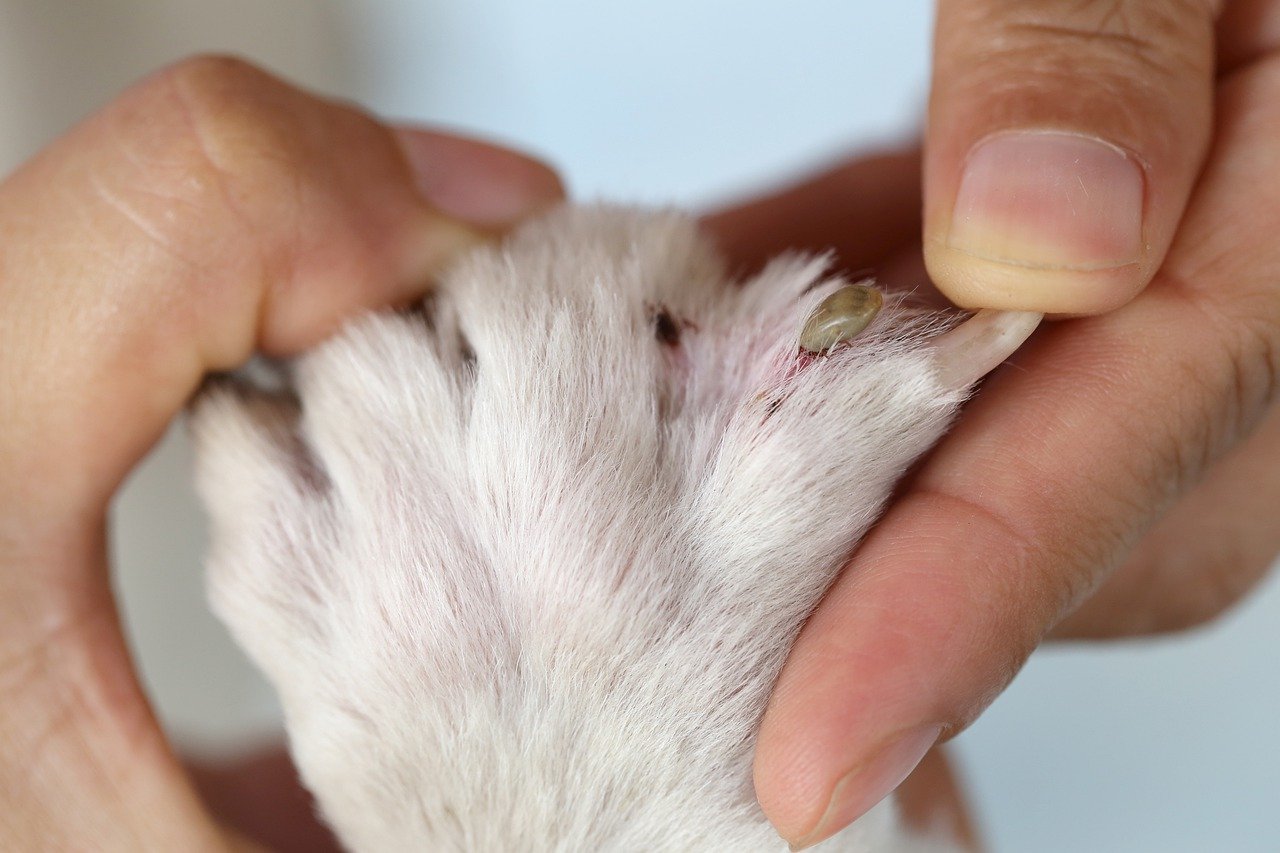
{"points": [[1164, 745]]}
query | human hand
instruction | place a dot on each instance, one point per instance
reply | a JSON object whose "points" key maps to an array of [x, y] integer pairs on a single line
{"points": [[1123, 478], [210, 212]]}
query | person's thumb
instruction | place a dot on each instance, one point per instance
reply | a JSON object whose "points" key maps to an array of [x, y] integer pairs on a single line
{"points": [[1063, 141]]}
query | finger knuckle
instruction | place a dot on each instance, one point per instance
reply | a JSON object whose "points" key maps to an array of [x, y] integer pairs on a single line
{"points": [[1151, 36], [1146, 32], [230, 118], [1060, 59], [1225, 376], [266, 149], [239, 150], [1245, 379], [202, 158], [1253, 358], [196, 143], [214, 72]]}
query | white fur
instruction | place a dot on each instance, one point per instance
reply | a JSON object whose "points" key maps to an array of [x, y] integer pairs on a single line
{"points": [[536, 600]]}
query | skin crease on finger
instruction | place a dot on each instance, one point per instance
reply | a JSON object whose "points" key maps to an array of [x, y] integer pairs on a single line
{"points": [[1202, 557], [918, 633], [209, 211]]}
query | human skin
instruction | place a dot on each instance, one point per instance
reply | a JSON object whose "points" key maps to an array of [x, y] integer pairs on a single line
{"points": [[213, 211]]}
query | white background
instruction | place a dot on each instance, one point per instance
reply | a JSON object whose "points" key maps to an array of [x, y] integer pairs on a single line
{"points": [[1170, 745]]}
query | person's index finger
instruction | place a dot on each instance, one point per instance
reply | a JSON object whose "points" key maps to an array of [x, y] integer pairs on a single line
{"points": [[1019, 512], [210, 211], [1062, 144]]}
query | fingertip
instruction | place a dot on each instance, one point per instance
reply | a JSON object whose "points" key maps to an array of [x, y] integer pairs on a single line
{"points": [[975, 283], [864, 786], [790, 789], [913, 640], [479, 183]]}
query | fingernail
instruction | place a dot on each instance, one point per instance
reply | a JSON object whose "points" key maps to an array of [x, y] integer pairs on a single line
{"points": [[870, 782], [437, 243], [476, 182], [1049, 200]]}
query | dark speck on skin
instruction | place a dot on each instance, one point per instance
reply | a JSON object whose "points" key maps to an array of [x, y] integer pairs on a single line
{"points": [[665, 327]]}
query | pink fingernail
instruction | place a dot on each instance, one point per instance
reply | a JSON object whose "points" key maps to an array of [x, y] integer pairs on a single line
{"points": [[869, 783], [1050, 200], [476, 182]]}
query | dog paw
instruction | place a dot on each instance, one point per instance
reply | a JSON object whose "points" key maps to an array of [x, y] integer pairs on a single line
{"points": [[524, 561]]}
